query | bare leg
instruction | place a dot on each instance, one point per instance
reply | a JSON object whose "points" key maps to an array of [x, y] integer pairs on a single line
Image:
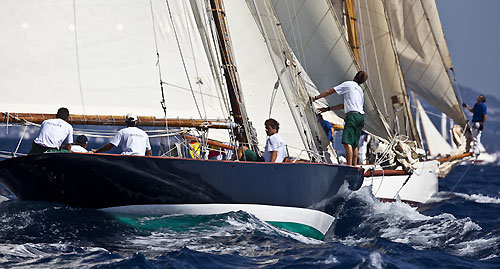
{"points": [[348, 153], [355, 152]]}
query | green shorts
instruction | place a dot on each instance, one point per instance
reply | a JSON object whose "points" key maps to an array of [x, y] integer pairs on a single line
{"points": [[354, 123], [249, 155]]}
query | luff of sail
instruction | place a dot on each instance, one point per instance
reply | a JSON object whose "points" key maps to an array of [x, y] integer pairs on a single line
{"points": [[314, 34], [423, 61], [262, 91], [293, 79]]}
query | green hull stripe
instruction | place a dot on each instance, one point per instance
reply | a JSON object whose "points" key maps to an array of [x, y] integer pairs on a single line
{"points": [[183, 224], [298, 228]]}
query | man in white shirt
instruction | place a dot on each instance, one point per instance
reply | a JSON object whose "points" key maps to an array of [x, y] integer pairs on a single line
{"points": [[80, 144], [353, 107], [54, 134], [132, 140], [275, 150]]}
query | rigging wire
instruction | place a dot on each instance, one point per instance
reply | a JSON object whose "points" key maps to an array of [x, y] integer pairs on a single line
{"points": [[162, 102], [78, 58], [463, 175], [20, 140], [300, 47], [182, 56], [199, 82]]}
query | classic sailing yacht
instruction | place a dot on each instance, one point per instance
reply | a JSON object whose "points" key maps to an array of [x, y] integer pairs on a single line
{"points": [[388, 53], [201, 67]]}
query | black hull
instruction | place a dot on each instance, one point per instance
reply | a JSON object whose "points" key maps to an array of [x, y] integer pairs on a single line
{"points": [[104, 180]]}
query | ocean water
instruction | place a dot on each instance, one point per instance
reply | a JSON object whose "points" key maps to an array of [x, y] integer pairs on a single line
{"points": [[460, 227]]}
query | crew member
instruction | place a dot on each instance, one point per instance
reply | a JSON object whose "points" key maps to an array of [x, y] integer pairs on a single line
{"points": [[353, 107], [132, 140], [55, 134]]}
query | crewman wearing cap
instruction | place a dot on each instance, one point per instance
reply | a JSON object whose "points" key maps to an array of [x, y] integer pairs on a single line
{"points": [[132, 140], [80, 144]]}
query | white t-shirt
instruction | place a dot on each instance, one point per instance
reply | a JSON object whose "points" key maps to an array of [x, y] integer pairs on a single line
{"points": [[132, 140], [275, 143], [353, 96], [78, 148], [54, 132]]}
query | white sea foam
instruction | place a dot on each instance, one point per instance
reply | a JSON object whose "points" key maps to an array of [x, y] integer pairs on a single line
{"points": [[479, 198], [3, 198], [401, 223], [376, 260], [469, 248], [330, 260]]}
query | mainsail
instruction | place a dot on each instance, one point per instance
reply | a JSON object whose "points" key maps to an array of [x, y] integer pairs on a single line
{"points": [[99, 58]]}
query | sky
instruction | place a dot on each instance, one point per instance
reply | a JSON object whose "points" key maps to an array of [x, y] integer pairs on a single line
{"points": [[472, 32]]}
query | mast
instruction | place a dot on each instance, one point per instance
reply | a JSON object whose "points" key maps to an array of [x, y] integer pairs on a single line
{"points": [[230, 73], [352, 31]]}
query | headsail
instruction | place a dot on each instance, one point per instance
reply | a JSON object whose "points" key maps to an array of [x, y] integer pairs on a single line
{"points": [[423, 57], [315, 36], [436, 144], [263, 92], [379, 57]]}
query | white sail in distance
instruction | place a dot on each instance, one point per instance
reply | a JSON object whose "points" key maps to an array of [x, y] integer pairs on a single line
{"points": [[436, 144]]}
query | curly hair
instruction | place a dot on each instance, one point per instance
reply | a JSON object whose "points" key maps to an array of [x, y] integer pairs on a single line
{"points": [[273, 123]]}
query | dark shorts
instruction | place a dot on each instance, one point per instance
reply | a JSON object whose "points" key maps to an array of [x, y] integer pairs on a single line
{"points": [[39, 149], [354, 123]]}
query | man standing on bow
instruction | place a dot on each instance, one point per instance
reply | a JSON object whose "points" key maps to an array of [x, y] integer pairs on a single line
{"points": [[478, 119], [353, 107], [132, 140]]}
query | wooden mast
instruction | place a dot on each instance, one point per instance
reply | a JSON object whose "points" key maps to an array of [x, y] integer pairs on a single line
{"points": [[352, 31], [230, 72]]}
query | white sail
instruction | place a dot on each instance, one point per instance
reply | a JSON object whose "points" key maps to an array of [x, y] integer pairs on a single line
{"points": [[99, 58], [431, 10], [436, 144], [314, 34], [379, 58], [264, 96], [423, 61]]}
